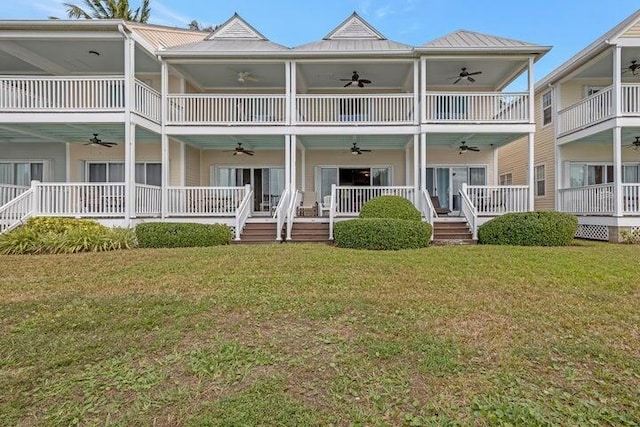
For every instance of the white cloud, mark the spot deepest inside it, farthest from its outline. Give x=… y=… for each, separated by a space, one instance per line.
x=163 y=15
x=34 y=9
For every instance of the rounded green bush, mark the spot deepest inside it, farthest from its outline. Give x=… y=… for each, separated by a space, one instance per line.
x=529 y=229
x=394 y=207
x=181 y=235
x=382 y=234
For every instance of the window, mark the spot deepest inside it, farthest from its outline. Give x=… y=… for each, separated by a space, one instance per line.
x=506 y=179
x=582 y=174
x=146 y=173
x=540 y=181
x=592 y=90
x=546 y=109
x=21 y=173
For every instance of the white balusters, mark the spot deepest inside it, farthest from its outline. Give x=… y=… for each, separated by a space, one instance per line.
x=147 y=101
x=497 y=200
x=354 y=108
x=81 y=199
x=592 y=199
x=226 y=109
x=204 y=201
x=148 y=198
x=586 y=112
x=477 y=107
x=631 y=198
x=349 y=200
x=9 y=192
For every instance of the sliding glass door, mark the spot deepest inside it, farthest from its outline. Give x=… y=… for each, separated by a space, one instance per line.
x=446 y=182
x=353 y=177
x=267 y=184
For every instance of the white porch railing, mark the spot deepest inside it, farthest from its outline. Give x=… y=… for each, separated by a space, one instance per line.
x=148 y=200
x=486 y=107
x=586 y=112
x=631 y=198
x=349 y=200
x=334 y=109
x=204 y=201
x=243 y=212
x=497 y=200
x=469 y=211
x=9 y=192
x=428 y=210
x=147 y=102
x=282 y=211
x=53 y=93
x=80 y=199
x=13 y=213
x=589 y=200
x=226 y=109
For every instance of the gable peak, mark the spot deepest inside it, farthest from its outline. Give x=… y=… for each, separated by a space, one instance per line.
x=235 y=28
x=354 y=27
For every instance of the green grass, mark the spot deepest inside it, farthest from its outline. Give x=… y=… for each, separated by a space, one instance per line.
x=313 y=335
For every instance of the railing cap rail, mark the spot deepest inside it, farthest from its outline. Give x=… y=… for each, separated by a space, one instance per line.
x=175 y=187
x=352 y=95
x=602 y=92
x=81 y=184
x=499 y=186
x=586 y=187
x=363 y=187
x=475 y=93
x=54 y=78
x=225 y=95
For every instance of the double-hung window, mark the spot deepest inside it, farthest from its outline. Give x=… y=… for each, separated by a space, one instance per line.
x=540 y=181
x=21 y=173
x=146 y=173
x=547 y=116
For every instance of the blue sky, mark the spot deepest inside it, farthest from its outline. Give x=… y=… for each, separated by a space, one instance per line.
x=567 y=25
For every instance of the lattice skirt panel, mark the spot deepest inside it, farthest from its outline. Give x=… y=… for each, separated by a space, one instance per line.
x=593 y=232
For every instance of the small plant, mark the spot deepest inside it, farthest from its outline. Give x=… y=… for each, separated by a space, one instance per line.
x=394 y=207
x=181 y=235
x=630 y=236
x=529 y=229
x=56 y=224
x=382 y=234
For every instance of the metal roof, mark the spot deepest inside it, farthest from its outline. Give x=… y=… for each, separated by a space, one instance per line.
x=471 y=40
x=162 y=37
x=588 y=52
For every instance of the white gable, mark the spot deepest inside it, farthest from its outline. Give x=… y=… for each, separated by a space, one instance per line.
x=354 y=28
x=235 y=28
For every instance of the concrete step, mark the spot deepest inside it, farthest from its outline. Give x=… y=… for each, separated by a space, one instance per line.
x=451 y=236
x=441 y=242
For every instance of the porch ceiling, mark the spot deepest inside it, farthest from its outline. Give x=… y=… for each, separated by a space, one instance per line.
x=224 y=76
x=229 y=142
x=61 y=132
x=70 y=57
x=606 y=137
x=495 y=72
x=603 y=68
x=314 y=76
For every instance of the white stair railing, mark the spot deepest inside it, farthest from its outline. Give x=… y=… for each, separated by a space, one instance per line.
x=244 y=211
x=9 y=192
x=428 y=210
x=147 y=101
x=281 y=212
x=294 y=203
x=469 y=211
x=332 y=210
x=14 y=213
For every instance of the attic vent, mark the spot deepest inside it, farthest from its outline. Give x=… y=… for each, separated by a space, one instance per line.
x=236 y=29
x=355 y=28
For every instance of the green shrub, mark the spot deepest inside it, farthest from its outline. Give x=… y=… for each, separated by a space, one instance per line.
x=382 y=234
x=529 y=229
x=29 y=240
x=181 y=235
x=394 y=207
x=56 y=224
x=630 y=236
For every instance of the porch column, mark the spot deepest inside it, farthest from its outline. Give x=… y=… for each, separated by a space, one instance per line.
x=416 y=92
x=293 y=141
x=423 y=89
x=303 y=172
x=531 y=172
x=556 y=94
x=496 y=172
x=293 y=88
x=617 y=171
x=129 y=131
x=407 y=165
x=416 y=170
x=287 y=94
x=423 y=161
x=617 y=81
x=183 y=161
x=532 y=92
x=287 y=161
x=164 y=140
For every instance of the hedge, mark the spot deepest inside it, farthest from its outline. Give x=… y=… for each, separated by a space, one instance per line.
x=181 y=235
x=381 y=234
x=394 y=207
x=529 y=229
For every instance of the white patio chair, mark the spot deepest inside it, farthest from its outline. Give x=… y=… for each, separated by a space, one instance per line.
x=325 y=205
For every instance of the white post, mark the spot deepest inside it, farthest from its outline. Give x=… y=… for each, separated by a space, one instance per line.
x=556 y=93
x=287 y=93
x=416 y=91
x=617 y=81
x=164 y=140
x=416 y=170
x=407 y=165
x=532 y=92
x=617 y=170
x=531 y=168
x=423 y=88
x=130 y=171
x=292 y=141
x=423 y=161
x=496 y=174
x=183 y=161
x=35 y=197
x=303 y=174
x=292 y=93
x=129 y=130
x=287 y=161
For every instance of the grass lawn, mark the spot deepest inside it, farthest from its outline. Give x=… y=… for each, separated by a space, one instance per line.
x=316 y=335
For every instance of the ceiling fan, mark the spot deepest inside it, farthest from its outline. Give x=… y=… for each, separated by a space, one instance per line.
x=97 y=141
x=464 y=148
x=635 y=144
x=464 y=74
x=245 y=77
x=240 y=150
x=632 y=68
x=355 y=79
x=355 y=150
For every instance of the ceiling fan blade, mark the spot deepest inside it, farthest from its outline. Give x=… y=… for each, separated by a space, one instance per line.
x=475 y=73
x=471 y=79
x=346 y=80
x=365 y=81
x=473 y=149
x=348 y=84
x=249 y=153
x=456 y=82
x=365 y=151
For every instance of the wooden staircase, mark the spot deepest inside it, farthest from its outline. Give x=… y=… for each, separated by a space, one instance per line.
x=310 y=232
x=452 y=231
x=258 y=232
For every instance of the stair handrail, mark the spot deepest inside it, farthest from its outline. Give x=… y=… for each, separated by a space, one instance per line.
x=469 y=211
x=13 y=213
x=296 y=199
x=332 y=210
x=281 y=212
x=428 y=210
x=244 y=210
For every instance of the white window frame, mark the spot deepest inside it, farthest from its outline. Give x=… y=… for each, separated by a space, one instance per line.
x=549 y=107
x=104 y=162
x=45 y=166
x=592 y=90
x=536 y=180
x=506 y=179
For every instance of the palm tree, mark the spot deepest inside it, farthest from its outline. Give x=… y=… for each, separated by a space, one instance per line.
x=109 y=9
x=196 y=26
